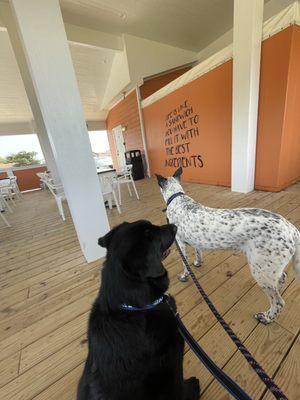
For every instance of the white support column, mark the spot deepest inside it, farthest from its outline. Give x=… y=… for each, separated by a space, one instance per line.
x=42 y=35
x=38 y=123
x=247 y=35
x=139 y=101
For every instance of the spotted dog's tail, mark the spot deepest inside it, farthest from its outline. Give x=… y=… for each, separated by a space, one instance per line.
x=297 y=258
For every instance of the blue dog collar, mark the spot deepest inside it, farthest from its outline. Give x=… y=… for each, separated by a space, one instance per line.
x=170 y=199
x=128 y=307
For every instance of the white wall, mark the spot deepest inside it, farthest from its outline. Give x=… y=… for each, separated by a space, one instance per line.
x=141 y=58
x=146 y=57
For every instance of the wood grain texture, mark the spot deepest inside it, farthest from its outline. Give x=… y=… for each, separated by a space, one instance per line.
x=46 y=291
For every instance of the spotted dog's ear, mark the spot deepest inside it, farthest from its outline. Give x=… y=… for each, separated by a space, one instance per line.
x=161 y=180
x=177 y=174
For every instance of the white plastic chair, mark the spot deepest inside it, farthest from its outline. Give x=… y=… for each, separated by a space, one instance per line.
x=107 y=181
x=6 y=190
x=125 y=176
x=13 y=182
x=3 y=200
x=56 y=191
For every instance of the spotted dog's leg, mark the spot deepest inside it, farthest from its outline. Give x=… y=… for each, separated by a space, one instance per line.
x=184 y=276
x=277 y=303
x=282 y=280
x=198 y=257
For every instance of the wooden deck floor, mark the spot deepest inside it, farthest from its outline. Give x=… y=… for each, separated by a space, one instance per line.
x=46 y=290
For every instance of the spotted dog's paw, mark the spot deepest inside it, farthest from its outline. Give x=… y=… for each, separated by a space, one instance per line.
x=263 y=318
x=183 y=277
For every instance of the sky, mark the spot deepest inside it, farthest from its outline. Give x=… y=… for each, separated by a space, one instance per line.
x=14 y=143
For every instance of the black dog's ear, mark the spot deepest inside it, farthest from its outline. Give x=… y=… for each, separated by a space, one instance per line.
x=105 y=240
x=177 y=174
x=161 y=180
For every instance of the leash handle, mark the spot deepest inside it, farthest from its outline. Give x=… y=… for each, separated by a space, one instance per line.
x=270 y=384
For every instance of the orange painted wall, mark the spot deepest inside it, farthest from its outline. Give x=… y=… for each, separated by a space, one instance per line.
x=152 y=85
x=289 y=167
x=277 y=119
x=125 y=113
x=27 y=178
x=210 y=97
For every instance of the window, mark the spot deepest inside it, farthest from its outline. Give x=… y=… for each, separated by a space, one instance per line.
x=20 y=150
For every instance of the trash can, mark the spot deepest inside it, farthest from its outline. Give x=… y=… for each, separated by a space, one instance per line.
x=134 y=157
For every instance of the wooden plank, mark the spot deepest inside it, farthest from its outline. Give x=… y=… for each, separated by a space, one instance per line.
x=268 y=344
x=288 y=376
x=47 y=306
x=38 y=378
x=9 y=369
x=44 y=326
x=47 y=295
x=213 y=338
x=65 y=388
x=51 y=343
x=290 y=317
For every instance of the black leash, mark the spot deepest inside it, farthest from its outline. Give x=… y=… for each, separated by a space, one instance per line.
x=233 y=388
x=270 y=384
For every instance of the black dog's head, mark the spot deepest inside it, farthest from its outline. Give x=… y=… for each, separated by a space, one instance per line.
x=135 y=252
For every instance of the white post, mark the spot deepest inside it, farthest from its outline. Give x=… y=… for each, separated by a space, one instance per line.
x=139 y=101
x=38 y=123
x=42 y=35
x=247 y=36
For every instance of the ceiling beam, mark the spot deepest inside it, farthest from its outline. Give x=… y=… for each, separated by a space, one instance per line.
x=16 y=128
x=93 y=38
x=88 y=37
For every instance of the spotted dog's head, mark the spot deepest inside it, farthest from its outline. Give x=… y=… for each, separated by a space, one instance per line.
x=171 y=185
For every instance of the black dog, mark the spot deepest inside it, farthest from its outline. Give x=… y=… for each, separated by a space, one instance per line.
x=135 y=349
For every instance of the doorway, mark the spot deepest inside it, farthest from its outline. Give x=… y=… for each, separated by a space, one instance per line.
x=120 y=146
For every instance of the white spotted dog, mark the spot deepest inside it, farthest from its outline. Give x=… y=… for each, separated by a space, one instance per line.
x=268 y=240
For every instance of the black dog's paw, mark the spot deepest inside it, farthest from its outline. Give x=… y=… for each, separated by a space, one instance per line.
x=192 y=389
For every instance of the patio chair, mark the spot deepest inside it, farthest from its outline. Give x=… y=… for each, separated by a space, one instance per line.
x=13 y=181
x=108 y=181
x=55 y=190
x=125 y=176
x=6 y=190
x=43 y=176
x=59 y=195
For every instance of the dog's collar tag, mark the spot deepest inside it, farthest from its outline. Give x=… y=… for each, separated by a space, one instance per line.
x=170 y=199
x=128 y=307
